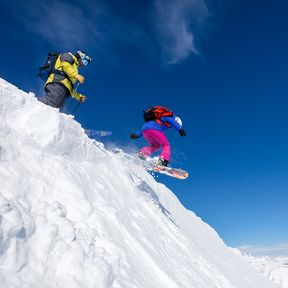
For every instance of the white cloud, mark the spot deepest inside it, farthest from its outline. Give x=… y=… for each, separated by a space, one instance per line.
x=273 y=250
x=175 y=20
x=89 y=25
x=96 y=25
x=61 y=23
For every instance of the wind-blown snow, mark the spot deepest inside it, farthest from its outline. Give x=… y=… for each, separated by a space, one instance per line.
x=73 y=214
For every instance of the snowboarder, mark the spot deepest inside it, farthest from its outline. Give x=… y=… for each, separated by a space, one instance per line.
x=158 y=120
x=60 y=83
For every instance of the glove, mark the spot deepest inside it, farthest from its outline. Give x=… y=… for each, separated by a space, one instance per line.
x=134 y=136
x=82 y=98
x=79 y=97
x=80 y=78
x=182 y=132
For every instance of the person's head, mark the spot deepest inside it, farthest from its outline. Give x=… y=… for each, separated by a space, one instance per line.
x=83 y=58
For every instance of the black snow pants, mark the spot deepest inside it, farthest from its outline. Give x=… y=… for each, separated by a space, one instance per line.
x=56 y=95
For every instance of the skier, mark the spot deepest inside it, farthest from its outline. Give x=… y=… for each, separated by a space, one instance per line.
x=158 y=120
x=60 y=83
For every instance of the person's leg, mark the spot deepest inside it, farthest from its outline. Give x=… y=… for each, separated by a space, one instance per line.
x=163 y=141
x=149 y=135
x=56 y=95
x=156 y=139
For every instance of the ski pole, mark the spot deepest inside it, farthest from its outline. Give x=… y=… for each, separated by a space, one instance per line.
x=67 y=110
x=76 y=108
x=75 y=90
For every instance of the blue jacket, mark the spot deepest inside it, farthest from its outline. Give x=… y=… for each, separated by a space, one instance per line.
x=153 y=125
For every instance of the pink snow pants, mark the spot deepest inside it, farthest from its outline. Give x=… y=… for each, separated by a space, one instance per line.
x=156 y=139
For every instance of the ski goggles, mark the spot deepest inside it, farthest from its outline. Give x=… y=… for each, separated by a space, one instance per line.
x=85 y=59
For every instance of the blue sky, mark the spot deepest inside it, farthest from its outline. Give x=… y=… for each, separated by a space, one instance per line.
x=221 y=66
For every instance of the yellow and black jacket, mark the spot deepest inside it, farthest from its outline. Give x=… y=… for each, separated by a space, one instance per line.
x=68 y=64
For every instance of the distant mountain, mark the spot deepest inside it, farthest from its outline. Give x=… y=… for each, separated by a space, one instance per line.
x=273 y=268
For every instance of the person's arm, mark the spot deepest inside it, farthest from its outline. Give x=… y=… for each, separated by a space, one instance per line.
x=171 y=121
x=69 y=69
x=174 y=124
x=72 y=72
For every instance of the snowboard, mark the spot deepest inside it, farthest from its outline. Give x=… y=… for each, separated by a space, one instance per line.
x=97 y=133
x=150 y=164
x=170 y=171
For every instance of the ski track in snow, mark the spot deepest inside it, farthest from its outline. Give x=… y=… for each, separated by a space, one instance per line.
x=73 y=214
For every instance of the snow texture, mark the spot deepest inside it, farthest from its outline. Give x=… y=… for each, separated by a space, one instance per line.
x=73 y=214
x=273 y=268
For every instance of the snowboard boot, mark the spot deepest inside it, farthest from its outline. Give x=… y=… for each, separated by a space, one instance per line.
x=162 y=162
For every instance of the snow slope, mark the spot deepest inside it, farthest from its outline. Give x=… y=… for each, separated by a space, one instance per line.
x=273 y=268
x=73 y=214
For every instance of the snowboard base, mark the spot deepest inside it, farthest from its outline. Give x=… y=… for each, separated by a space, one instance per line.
x=170 y=171
x=150 y=164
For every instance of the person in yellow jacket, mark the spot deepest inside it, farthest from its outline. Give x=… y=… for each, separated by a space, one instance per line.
x=60 y=83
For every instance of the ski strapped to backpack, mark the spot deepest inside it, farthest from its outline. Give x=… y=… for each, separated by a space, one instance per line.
x=49 y=67
x=157 y=112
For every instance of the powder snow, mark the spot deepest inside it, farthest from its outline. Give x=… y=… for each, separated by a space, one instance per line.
x=73 y=214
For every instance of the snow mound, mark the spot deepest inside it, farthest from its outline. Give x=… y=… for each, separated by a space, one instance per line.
x=73 y=214
x=273 y=268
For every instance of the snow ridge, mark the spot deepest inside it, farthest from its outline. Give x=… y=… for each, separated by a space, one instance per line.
x=73 y=214
x=273 y=268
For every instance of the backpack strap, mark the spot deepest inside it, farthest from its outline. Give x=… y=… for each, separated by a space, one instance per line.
x=160 y=122
x=63 y=57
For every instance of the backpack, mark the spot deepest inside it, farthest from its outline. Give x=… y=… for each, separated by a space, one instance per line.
x=49 y=66
x=155 y=113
